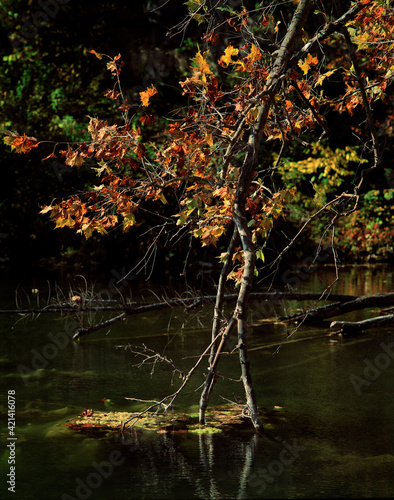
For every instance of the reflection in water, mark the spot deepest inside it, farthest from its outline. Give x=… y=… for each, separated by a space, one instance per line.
x=250 y=453
x=204 y=466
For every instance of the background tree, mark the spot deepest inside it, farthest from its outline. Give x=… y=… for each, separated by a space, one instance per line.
x=220 y=174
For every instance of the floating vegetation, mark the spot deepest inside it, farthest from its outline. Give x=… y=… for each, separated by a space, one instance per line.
x=220 y=419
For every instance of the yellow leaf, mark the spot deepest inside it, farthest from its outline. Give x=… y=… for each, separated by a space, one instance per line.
x=147 y=94
x=304 y=66
x=128 y=221
x=322 y=77
x=307 y=63
x=87 y=230
x=201 y=61
x=225 y=60
x=162 y=198
x=209 y=139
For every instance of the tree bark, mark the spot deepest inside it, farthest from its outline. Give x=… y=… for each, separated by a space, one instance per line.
x=217 y=348
x=239 y=213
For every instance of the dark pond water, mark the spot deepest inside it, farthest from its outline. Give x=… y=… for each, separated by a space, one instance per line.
x=327 y=405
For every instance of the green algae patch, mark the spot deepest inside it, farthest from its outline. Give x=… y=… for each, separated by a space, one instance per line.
x=205 y=429
x=218 y=419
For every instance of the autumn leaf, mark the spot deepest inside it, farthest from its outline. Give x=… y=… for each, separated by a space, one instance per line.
x=147 y=94
x=48 y=208
x=322 y=77
x=201 y=66
x=210 y=235
x=147 y=119
x=9 y=137
x=115 y=67
x=99 y=56
x=125 y=106
x=209 y=140
x=128 y=221
x=289 y=105
x=225 y=60
x=307 y=63
x=73 y=158
x=211 y=37
x=52 y=155
x=20 y=144
x=264 y=20
x=112 y=94
x=255 y=54
x=188 y=87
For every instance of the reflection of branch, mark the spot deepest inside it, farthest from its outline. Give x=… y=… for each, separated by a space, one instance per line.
x=249 y=460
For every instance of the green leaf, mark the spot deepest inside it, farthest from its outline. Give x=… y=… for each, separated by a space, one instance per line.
x=260 y=255
x=193 y=5
x=199 y=18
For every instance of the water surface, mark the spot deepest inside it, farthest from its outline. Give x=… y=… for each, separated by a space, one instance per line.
x=326 y=402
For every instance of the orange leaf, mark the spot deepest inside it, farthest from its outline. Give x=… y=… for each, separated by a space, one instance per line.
x=147 y=94
x=211 y=37
x=112 y=94
x=99 y=56
x=147 y=119
x=52 y=155
x=289 y=105
x=255 y=54
x=22 y=144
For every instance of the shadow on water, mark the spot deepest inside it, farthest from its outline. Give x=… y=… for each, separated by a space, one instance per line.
x=326 y=403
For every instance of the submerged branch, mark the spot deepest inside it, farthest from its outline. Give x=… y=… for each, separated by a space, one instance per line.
x=328 y=311
x=349 y=327
x=189 y=302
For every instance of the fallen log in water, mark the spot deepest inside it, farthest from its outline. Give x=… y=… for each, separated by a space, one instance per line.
x=351 y=327
x=338 y=308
